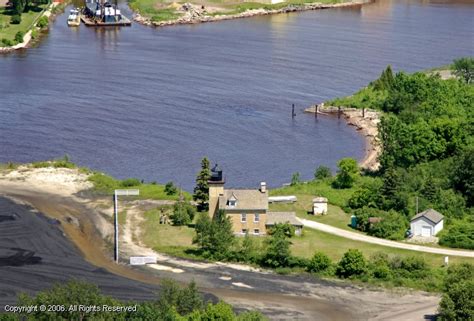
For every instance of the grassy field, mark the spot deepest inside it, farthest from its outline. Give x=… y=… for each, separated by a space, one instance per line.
x=106 y=184
x=8 y=31
x=177 y=240
x=173 y=240
x=335 y=246
x=162 y=10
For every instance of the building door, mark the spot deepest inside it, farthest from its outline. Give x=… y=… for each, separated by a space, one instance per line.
x=426 y=231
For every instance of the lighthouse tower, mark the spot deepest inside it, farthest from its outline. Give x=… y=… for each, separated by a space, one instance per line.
x=216 y=189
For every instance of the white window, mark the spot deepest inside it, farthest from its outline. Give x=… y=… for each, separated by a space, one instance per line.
x=232 y=203
x=256 y=231
x=243 y=217
x=244 y=231
x=256 y=218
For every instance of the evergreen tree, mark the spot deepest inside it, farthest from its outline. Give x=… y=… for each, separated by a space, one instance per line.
x=347 y=173
x=201 y=191
x=214 y=237
x=278 y=249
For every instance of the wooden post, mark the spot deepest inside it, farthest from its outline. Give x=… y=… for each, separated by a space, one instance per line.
x=363 y=112
x=339 y=112
x=293 y=111
x=316 y=111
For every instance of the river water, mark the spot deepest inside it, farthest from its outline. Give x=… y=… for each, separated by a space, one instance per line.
x=150 y=103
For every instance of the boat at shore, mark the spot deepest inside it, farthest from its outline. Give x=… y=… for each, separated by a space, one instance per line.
x=74 y=18
x=103 y=13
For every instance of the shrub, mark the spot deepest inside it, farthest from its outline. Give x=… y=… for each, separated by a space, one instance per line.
x=320 y=262
x=458 y=299
x=295 y=179
x=459 y=235
x=278 y=250
x=322 y=172
x=347 y=173
x=8 y=42
x=15 y=19
x=352 y=264
x=19 y=36
x=42 y=22
x=379 y=266
x=183 y=213
x=129 y=182
x=170 y=189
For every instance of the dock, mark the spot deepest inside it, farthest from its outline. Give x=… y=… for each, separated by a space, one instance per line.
x=124 y=21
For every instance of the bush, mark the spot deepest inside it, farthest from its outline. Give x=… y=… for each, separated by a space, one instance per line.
x=42 y=22
x=183 y=213
x=295 y=179
x=15 y=19
x=19 y=36
x=170 y=189
x=459 y=235
x=8 y=42
x=352 y=264
x=380 y=266
x=347 y=173
x=129 y=182
x=278 y=250
x=322 y=172
x=458 y=299
x=319 y=263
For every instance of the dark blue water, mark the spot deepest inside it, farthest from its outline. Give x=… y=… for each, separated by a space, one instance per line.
x=150 y=103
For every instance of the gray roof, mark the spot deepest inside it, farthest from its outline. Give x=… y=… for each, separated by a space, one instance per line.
x=246 y=199
x=320 y=199
x=431 y=215
x=283 y=217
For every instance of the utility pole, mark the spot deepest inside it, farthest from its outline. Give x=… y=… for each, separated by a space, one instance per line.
x=416 y=205
x=117 y=192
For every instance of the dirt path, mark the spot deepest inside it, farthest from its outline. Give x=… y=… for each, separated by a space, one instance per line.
x=375 y=240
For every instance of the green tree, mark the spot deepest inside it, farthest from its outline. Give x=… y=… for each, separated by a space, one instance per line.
x=458 y=300
x=170 y=189
x=320 y=262
x=201 y=191
x=71 y=293
x=287 y=229
x=278 y=252
x=295 y=179
x=214 y=237
x=463 y=175
x=347 y=173
x=322 y=172
x=183 y=213
x=385 y=81
x=352 y=264
x=464 y=69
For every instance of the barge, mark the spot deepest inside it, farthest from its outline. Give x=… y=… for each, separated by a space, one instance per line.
x=103 y=13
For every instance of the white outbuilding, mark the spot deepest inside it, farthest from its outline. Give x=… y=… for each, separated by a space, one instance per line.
x=427 y=223
x=320 y=206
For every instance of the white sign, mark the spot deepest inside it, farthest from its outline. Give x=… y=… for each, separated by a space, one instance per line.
x=127 y=192
x=142 y=260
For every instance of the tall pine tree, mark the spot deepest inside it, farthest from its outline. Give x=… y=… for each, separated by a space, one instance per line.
x=201 y=191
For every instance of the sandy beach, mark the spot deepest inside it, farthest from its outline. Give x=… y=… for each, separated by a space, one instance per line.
x=365 y=122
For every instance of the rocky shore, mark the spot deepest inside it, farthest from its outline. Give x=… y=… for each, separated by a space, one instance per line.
x=365 y=121
x=192 y=14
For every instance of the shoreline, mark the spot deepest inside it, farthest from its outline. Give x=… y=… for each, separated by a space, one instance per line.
x=196 y=15
x=27 y=38
x=365 y=122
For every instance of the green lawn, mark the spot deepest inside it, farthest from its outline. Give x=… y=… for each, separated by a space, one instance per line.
x=335 y=246
x=8 y=31
x=106 y=184
x=164 y=238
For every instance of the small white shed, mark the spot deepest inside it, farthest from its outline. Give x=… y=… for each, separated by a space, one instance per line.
x=320 y=205
x=427 y=223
